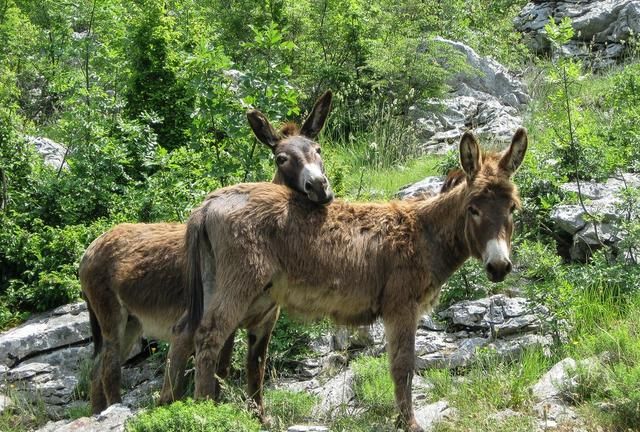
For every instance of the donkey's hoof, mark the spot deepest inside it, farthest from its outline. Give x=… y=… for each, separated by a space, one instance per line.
x=408 y=426
x=265 y=420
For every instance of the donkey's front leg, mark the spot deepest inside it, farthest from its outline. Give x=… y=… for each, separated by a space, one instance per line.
x=259 y=337
x=400 y=328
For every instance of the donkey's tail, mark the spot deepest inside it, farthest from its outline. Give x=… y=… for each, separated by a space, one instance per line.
x=96 y=331
x=195 y=236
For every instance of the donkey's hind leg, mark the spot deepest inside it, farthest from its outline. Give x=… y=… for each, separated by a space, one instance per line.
x=105 y=383
x=111 y=355
x=259 y=337
x=97 y=396
x=224 y=364
x=223 y=313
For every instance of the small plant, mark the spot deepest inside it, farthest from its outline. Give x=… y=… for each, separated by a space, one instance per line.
x=192 y=416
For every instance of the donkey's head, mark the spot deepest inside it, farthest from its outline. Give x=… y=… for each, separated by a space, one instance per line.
x=491 y=200
x=297 y=153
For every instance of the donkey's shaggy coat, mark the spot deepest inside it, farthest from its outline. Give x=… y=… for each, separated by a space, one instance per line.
x=134 y=281
x=252 y=244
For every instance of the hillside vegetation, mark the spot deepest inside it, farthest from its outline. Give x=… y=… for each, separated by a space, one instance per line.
x=148 y=99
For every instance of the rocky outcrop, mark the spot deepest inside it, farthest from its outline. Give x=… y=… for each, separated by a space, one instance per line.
x=505 y=325
x=113 y=419
x=552 y=405
x=485 y=97
x=603 y=202
x=52 y=152
x=46 y=359
x=430 y=186
x=602 y=28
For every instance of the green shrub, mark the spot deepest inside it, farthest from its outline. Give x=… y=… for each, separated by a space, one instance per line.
x=192 y=416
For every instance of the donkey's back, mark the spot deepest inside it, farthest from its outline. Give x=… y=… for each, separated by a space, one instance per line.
x=137 y=269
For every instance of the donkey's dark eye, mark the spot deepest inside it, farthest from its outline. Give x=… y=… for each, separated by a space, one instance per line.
x=512 y=208
x=319 y=150
x=280 y=159
x=473 y=211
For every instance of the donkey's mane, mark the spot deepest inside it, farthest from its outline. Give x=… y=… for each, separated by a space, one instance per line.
x=289 y=129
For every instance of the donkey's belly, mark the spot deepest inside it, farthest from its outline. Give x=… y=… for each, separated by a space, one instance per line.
x=157 y=325
x=343 y=305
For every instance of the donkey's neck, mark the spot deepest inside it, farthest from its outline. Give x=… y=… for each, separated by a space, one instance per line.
x=443 y=225
x=278 y=178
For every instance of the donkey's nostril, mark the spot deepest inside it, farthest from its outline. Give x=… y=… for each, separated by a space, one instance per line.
x=491 y=269
x=307 y=186
x=507 y=268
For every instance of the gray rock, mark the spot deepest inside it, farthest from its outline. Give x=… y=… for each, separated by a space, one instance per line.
x=52 y=152
x=427 y=187
x=568 y=218
x=336 y=393
x=348 y=338
x=486 y=98
x=601 y=201
x=112 y=419
x=427 y=322
x=487 y=75
x=63 y=326
x=5 y=403
x=505 y=414
x=430 y=415
x=308 y=428
x=601 y=27
x=551 y=385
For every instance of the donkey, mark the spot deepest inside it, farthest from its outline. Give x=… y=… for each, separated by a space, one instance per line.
x=133 y=276
x=251 y=245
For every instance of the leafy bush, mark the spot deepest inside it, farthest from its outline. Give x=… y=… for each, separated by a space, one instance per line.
x=192 y=416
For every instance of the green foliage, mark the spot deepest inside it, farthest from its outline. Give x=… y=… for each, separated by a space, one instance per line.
x=373 y=386
x=154 y=86
x=192 y=416
x=286 y=408
x=290 y=340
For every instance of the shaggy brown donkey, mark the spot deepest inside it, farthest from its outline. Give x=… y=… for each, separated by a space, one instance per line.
x=253 y=244
x=133 y=276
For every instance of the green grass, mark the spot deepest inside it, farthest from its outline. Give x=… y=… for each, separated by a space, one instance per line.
x=489 y=384
x=192 y=416
x=373 y=384
x=24 y=415
x=361 y=181
x=609 y=392
x=286 y=408
x=79 y=411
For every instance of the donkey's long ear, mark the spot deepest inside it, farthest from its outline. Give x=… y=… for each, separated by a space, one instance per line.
x=513 y=157
x=262 y=128
x=314 y=123
x=470 y=154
